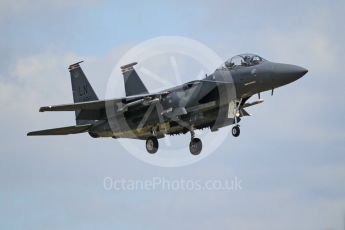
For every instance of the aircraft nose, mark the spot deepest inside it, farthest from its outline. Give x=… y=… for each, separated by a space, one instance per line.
x=298 y=71
x=285 y=74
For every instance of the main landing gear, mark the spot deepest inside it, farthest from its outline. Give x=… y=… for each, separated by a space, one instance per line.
x=152 y=144
x=195 y=145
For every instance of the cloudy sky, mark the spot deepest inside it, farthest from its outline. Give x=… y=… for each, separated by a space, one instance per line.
x=289 y=157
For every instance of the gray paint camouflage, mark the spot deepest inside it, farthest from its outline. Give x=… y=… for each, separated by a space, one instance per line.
x=216 y=101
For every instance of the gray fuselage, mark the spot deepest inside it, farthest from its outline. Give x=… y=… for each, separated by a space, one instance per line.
x=207 y=103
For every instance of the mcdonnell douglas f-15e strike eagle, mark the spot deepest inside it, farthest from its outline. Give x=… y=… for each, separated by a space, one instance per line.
x=214 y=102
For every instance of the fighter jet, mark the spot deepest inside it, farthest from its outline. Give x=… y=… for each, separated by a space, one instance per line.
x=216 y=101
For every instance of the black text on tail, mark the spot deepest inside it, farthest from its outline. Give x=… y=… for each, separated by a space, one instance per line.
x=82 y=90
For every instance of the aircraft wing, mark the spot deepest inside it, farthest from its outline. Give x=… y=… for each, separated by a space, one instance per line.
x=90 y=105
x=61 y=131
x=97 y=105
x=125 y=102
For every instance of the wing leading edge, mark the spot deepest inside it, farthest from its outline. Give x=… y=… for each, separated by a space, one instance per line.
x=101 y=104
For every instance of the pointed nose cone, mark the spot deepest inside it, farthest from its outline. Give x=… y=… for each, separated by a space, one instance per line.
x=285 y=74
x=298 y=71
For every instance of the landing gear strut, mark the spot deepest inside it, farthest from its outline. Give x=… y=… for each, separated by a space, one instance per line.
x=195 y=145
x=152 y=144
x=236 y=129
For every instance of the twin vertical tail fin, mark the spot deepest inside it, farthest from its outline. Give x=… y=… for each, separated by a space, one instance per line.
x=82 y=90
x=133 y=84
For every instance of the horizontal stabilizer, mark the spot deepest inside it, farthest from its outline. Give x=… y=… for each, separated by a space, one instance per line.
x=61 y=131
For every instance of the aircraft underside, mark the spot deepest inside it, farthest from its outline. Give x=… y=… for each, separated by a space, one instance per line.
x=158 y=127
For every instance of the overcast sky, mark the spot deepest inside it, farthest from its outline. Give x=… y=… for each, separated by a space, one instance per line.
x=290 y=155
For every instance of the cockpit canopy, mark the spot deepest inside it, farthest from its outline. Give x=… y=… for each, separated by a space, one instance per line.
x=242 y=60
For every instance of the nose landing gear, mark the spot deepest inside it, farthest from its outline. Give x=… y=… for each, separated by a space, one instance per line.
x=235 y=131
